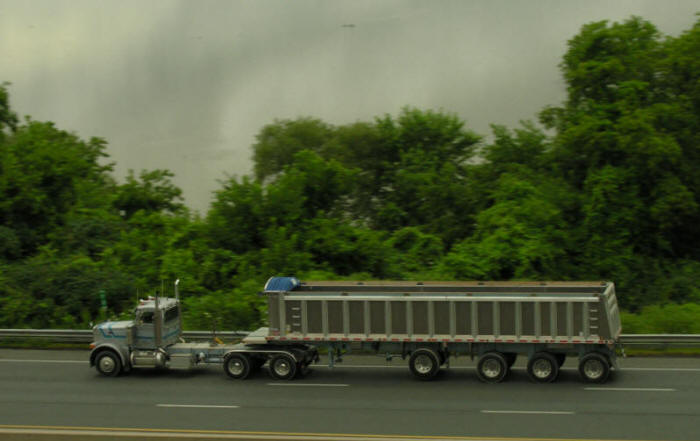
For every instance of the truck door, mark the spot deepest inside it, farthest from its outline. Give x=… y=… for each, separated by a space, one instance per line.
x=145 y=333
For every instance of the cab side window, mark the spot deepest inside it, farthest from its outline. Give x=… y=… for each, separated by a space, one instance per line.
x=171 y=314
x=147 y=317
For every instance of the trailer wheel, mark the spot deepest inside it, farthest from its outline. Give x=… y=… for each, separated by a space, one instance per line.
x=491 y=367
x=237 y=366
x=282 y=367
x=594 y=368
x=543 y=367
x=424 y=363
x=108 y=363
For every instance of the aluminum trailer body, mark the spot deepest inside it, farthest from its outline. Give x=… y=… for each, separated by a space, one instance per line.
x=429 y=322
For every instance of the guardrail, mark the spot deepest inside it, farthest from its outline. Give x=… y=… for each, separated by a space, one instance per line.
x=85 y=336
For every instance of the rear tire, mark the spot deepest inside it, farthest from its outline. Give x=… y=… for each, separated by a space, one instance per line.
x=491 y=367
x=108 y=364
x=543 y=367
x=424 y=364
x=594 y=368
x=237 y=366
x=282 y=367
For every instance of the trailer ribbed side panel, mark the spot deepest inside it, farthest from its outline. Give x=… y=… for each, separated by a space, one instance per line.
x=560 y=312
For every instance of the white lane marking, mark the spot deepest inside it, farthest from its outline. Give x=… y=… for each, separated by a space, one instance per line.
x=661 y=369
x=208 y=406
x=310 y=384
x=531 y=412
x=15 y=360
x=632 y=389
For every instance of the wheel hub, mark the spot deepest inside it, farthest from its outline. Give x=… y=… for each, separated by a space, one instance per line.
x=282 y=368
x=542 y=368
x=236 y=367
x=593 y=369
x=491 y=368
x=423 y=364
x=107 y=364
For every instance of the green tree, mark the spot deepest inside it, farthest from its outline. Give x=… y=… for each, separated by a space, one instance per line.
x=522 y=236
x=152 y=191
x=45 y=173
x=277 y=143
x=8 y=118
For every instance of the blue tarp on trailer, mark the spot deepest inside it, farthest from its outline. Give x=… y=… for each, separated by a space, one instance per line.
x=277 y=284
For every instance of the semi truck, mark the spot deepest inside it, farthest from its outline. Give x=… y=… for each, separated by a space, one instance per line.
x=425 y=323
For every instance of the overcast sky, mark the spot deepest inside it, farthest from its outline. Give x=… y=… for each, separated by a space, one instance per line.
x=186 y=85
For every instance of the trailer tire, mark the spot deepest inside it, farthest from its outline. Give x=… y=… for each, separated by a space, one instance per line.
x=491 y=367
x=424 y=363
x=282 y=367
x=108 y=363
x=543 y=367
x=237 y=366
x=594 y=368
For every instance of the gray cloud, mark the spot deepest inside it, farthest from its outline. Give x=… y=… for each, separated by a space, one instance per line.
x=186 y=85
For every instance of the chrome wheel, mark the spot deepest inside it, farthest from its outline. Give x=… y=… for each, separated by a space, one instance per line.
x=423 y=364
x=236 y=367
x=491 y=368
x=593 y=369
x=282 y=367
x=542 y=368
x=107 y=365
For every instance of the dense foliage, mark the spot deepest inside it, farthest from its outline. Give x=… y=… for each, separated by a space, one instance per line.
x=606 y=188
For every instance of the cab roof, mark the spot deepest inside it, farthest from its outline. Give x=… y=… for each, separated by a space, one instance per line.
x=150 y=303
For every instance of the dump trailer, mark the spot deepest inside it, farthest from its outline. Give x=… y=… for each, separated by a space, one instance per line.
x=426 y=323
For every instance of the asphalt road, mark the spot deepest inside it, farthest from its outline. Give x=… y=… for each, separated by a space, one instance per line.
x=649 y=399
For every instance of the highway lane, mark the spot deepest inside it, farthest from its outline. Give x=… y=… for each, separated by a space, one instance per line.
x=650 y=399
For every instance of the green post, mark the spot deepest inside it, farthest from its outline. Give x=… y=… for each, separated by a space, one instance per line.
x=103 y=304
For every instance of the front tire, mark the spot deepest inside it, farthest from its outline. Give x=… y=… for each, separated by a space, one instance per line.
x=424 y=364
x=491 y=367
x=282 y=367
x=237 y=366
x=594 y=368
x=543 y=367
x=108 y=364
